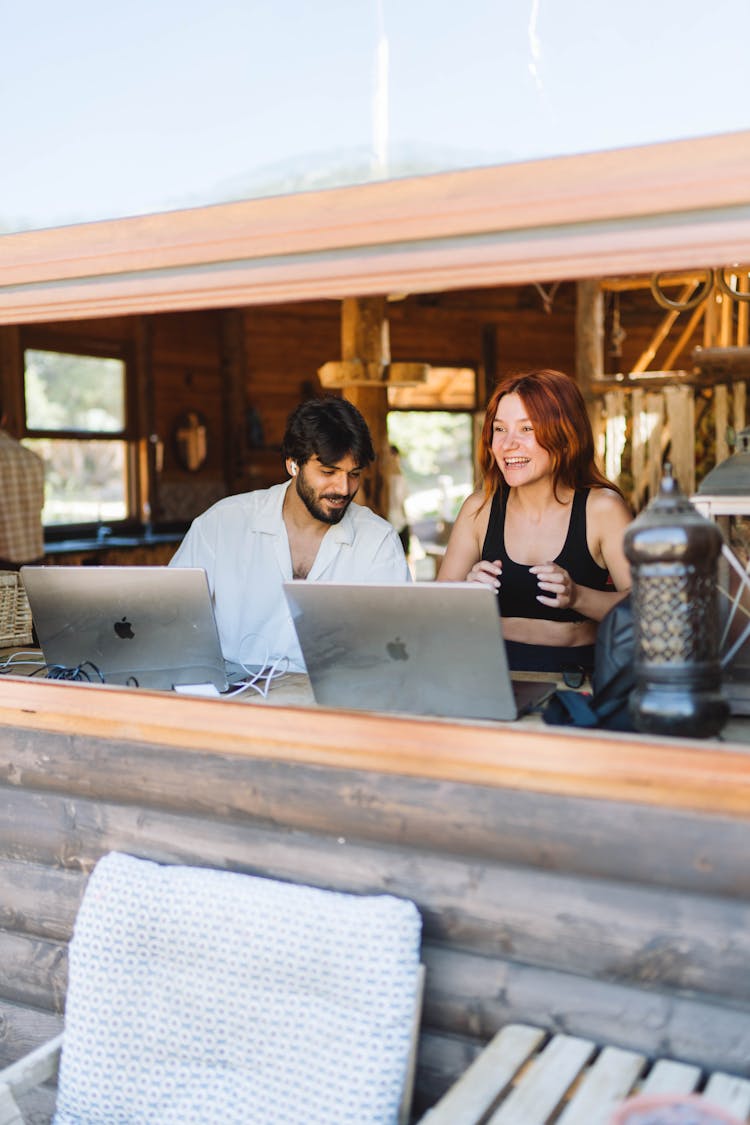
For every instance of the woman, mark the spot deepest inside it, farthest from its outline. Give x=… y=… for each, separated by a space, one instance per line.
x=546 y=531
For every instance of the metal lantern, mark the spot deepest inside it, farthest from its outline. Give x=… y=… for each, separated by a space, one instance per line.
x=724 y=496
x=673 y=553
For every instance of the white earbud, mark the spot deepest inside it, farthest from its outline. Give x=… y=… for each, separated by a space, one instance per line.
x=294 y=468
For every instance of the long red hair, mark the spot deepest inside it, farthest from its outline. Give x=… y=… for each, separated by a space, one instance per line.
x=561 y=423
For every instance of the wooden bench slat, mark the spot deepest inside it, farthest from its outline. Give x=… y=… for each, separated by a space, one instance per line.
x=729 y=1093
x=669 y=1077
x=481 y=1085
x=606 y=1083
x=528 y=1088
x=542 y=1088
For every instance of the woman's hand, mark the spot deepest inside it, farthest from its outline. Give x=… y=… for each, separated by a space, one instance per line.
x=562 y=589
x=486 y=572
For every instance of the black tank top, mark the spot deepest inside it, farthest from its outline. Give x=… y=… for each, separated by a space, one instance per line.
x=518 y=588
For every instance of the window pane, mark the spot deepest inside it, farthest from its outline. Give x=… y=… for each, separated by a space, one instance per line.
x=235 y=100
x=74 y=392
x=85 y=481
x=437 y=461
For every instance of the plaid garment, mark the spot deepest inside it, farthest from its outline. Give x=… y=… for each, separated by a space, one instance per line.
x=21 y=502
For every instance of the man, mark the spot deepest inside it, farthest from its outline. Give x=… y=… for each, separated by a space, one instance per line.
x=21 y=503
x=307 y=527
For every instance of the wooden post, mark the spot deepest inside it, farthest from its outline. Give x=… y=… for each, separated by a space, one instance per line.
x=11 y=379
x=590 y=354
x=234 y=384
x=739 y=391
x=714 y=335
x=149 y=508
x=364 y=337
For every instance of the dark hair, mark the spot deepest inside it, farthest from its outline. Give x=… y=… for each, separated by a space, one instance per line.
x=561 y=423
x=328 y=428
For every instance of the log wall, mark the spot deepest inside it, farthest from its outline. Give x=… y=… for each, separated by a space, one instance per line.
x=626 y=918
x=265 y=359
x=183 y=361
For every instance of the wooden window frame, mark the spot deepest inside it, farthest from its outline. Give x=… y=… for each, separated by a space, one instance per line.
x=71 y=344
x=672 y=206
x=656 y=207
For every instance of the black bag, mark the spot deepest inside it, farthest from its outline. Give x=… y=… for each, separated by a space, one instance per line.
x=612 y=681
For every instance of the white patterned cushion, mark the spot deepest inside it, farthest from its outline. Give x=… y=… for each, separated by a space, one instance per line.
x=203 y=997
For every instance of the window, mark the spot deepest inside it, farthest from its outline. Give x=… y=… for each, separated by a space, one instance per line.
x=432 y=425
x=437 y=460
x=75 y=417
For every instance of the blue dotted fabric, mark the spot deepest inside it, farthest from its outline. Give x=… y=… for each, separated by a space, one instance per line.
x=203 y=997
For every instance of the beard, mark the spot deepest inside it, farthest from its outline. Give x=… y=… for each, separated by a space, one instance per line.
x=312 y=502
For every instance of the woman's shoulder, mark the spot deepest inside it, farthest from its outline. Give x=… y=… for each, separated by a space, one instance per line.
x=473 y=504
x=608 y=504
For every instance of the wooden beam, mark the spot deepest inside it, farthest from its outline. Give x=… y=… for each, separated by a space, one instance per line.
x=643 y=281
x=365 y=339
x=652 y=379
x=656 y=207
x=234 y=391
x=589 y=330
x=11 y=379
x=147 y=500
x=684 y=337
x=337 y=374
x=661 y=333
x=711 y=375
x=722 y=364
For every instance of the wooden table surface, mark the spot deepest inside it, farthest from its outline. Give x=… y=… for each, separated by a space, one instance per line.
x=293 y=689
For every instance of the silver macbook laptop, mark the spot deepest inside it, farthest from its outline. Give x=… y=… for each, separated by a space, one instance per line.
x=145 y=626
x=432 y=648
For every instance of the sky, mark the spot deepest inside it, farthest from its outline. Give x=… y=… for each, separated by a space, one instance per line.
x=112 y=110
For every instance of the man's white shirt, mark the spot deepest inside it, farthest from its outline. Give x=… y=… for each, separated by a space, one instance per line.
x=242 y=544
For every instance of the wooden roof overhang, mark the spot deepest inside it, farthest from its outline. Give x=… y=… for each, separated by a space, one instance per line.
x=667 y=206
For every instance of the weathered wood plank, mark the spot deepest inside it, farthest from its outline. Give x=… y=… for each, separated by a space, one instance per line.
x=474 y=995
x=38 y=1106
x=611 y=839
x=607 y=1082
x=443 y=1058
x=39 y=900
x=592 y=926
x=40 y=1065
x=478 y=1089
x=669 y=1077
x=729 y=1092
x=582 y=763
x=33 y=972
x=546 y=1082
x=23 y=1029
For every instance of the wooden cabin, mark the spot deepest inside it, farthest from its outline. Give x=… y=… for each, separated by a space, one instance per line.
x=583 y=881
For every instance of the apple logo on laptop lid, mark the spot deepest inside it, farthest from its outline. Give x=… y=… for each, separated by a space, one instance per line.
x=396 y=649
x=124 y=629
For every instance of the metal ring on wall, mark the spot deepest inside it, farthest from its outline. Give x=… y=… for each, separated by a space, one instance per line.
x=681 y=306
x=727 y=288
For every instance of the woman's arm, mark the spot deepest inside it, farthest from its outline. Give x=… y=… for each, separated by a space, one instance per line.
x=462 y=561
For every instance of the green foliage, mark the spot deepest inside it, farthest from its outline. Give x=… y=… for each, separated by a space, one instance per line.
x=436 y=458
x=74 y=392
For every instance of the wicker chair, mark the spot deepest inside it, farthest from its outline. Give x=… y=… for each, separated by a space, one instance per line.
x=15 y=614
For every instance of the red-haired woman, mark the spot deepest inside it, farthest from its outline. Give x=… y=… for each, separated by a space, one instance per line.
x=546 y=530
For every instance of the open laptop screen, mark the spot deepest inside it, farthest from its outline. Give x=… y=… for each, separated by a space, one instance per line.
x=432 y=648
x=145 y=626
